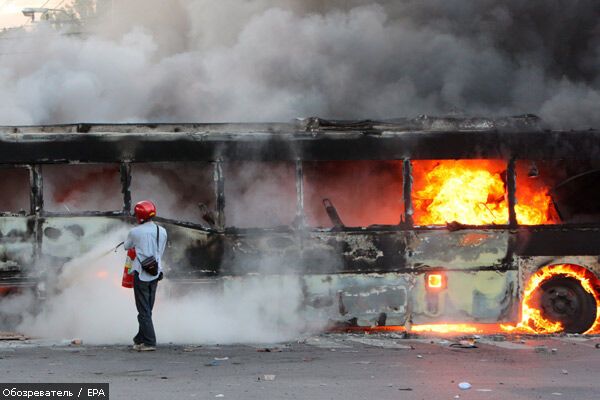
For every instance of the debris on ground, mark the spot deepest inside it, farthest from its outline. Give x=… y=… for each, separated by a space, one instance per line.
x=221 y=358
x=464 y=386
x=406 y=389
x=465 y=344
x=540 y=349
x=564 y=372
x=213 y=363
x=419 y=356
x=220 y=395
x=12 y=336
x=76 y=342
x=269 y=350
x=267 y=378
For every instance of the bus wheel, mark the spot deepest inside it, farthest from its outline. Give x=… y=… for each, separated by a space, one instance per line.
x=564 y=300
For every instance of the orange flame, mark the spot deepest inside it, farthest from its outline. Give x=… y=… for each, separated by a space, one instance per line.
x=447 y=328
x=532 y=320
x=471 y=192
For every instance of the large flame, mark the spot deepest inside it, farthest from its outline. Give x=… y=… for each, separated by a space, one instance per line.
x=472 y=192
x=532 y=320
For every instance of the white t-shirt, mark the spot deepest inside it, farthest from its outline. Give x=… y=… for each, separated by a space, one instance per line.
x=143 y=239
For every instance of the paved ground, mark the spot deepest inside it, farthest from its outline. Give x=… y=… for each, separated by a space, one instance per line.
x=335 y=366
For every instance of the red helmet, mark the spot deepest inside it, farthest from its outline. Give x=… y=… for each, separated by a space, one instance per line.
x=144 y=210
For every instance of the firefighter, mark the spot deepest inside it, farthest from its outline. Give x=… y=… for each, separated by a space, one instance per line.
x=149 y=241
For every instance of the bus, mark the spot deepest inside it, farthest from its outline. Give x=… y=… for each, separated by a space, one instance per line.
x=407 y=222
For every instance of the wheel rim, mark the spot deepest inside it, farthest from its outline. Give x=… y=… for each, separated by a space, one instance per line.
x=563 y=299
x=560 y=303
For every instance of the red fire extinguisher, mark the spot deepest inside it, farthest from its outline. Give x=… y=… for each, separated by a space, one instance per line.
x=127 y=281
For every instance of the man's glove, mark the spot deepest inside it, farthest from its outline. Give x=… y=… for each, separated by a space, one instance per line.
x=160 y=276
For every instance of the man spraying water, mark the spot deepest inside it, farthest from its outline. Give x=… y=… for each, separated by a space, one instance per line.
x=149 y=241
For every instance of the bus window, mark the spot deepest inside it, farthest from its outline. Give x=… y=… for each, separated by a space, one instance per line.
x=15 y=187
x=181 y=191
x=363 y=192
x=71 y=188
x=259 y=194
x=471 y=192
x=550 y=192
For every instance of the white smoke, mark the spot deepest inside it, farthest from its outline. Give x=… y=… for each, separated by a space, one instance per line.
x=87 y=301
x=261 y=60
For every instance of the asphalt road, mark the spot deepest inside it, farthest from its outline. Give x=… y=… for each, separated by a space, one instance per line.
x=335 y=366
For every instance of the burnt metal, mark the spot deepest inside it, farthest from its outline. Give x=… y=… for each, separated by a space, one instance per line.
x=333 y=214
x=415 y=139
x=220 y=194
x=36 y=195
x=407 y=193
x=557 y=241
x=578 y=198
x=300 y=218
x=125 y=170
x=511 y=184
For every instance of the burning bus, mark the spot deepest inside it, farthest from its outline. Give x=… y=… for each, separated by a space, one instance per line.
x=422 y=223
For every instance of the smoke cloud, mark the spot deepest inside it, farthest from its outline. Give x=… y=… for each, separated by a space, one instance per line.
x=261 y=60
x=86 y=301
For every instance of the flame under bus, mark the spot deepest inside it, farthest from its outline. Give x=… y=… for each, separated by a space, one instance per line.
x=405 y=222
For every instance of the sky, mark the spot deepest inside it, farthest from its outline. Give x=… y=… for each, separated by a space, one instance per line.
x=10 y=11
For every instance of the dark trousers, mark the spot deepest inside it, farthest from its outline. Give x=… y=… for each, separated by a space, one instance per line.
x=144 y=292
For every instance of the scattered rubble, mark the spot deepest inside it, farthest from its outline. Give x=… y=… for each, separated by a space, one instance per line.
x=465 y=344
x=12 y=336
x=541 y=349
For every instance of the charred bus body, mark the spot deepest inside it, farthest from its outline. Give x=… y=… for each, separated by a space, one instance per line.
x=363 y=212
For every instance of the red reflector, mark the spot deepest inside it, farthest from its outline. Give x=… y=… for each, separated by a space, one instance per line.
x=435 y=281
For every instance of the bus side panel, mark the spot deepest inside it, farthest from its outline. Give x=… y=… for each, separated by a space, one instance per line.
x=354 y=252
x=262 y=252
x=482 y=286
x=314 y=252
x=361 y=296
x=470 y=296
x=466 y=249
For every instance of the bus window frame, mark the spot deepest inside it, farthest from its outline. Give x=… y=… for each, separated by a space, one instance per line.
x=510 y=197
x=218 y=191
x=29 y=211
x=301 y=221
x=37 y=192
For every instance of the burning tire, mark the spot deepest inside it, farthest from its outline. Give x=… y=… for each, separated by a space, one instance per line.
x=563 y=299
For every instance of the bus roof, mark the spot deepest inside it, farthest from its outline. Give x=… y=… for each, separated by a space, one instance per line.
x=521 y=137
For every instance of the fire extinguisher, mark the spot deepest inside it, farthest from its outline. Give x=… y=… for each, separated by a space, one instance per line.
x=127 y=281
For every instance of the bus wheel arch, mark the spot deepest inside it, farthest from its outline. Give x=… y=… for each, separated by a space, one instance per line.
x=568 y=294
